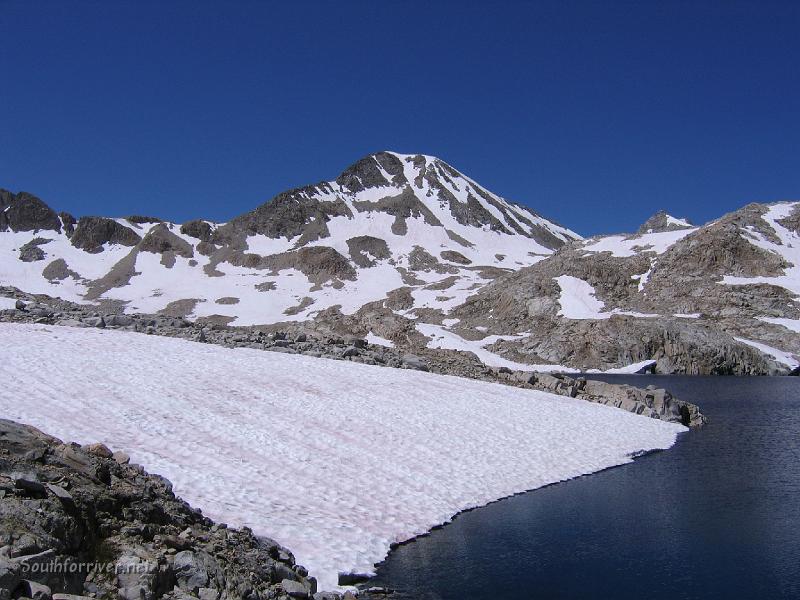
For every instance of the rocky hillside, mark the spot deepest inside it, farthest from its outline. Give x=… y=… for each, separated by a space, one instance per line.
x=80 y=521
x=411 y=228
x=408 y=249
x=719 y=299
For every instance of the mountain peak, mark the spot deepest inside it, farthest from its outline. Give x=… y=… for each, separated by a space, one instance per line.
x=375 y=170
x=388 y=222
x=663 y=221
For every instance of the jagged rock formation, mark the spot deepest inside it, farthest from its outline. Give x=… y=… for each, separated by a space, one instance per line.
x=78 y=520
x=25 y=212
x=92 y=233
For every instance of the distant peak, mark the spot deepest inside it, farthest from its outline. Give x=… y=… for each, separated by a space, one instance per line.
x=390 y=168
x=663 y=221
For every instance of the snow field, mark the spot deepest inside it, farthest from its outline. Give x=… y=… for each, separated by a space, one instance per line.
x=335 y=460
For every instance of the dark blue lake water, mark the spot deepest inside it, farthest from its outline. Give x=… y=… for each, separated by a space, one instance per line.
x=716 y=516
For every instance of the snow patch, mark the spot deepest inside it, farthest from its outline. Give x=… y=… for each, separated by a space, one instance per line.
x=779 y=355
x=628 y=369
x=448 y=340
x=679 y=222
x=7 y=303
x=791 y=324
x=623 y=246
x=335 y=460
x=377 y=340
x=578 y=301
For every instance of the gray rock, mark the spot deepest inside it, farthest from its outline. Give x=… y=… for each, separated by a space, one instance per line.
x=9 y=574
x=160 y=240
x=661 y=222
x=198 y=229
x=118 y=320
x=33 y=590
x=294 y=589
x=190 y=571
x=60 y=493
x=31 y=253
x=69 y=222
x=92 y=232
x=135 y=577
x=26 y=212
x=70 y=323
x=357 y=342
x=208 y=594
x=98 y=322
x=100 y=450
x=281 y=349
x=121 y=458
x=28 y=483
x=353 y=578
x=412 y=361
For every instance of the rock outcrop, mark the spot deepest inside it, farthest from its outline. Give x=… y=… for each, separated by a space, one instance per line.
x=26 y=212
x=81 y=521
x=92 y=233
x=651 y=402
x=661 y=221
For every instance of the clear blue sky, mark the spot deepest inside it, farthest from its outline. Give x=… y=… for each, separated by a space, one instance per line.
x=594 y=113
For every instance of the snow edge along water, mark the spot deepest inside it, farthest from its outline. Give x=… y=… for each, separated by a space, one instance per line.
x=336 y=484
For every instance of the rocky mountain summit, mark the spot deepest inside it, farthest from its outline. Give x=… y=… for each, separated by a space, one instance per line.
x=406 y=248
x=80 y=522
x=663 y=221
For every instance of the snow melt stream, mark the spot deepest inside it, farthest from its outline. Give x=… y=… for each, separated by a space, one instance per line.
x=335 y=460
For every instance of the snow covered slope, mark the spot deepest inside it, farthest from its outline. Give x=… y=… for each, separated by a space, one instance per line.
x=335 y=460
x=388 y=222
x=406 y=248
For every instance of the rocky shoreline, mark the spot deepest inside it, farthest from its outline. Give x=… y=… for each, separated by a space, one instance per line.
x=305 y=339
x=81 y=522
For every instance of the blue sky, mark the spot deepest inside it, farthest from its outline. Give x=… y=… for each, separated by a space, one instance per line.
x=595 y=114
